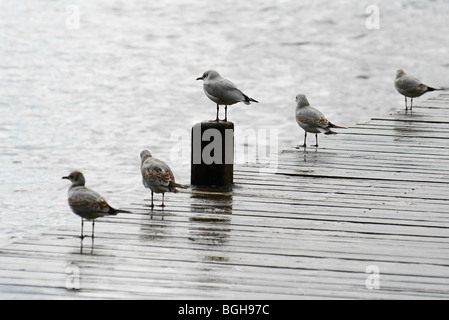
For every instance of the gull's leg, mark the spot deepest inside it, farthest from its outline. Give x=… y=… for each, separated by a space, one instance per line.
x=218 y=109
x=82 y=227
x=405 y=103
x=305 y=138
x=411 y=104
x=163 y=194
x=93 y=236
x=316 y=140
x=152 y=204
x=226 y=113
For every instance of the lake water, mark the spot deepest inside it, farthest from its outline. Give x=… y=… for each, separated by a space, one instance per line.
x=88 y=84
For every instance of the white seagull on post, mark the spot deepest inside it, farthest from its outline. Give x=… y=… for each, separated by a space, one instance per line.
x=222 y=91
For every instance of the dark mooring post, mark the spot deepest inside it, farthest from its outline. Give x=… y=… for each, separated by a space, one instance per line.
x=212 y=158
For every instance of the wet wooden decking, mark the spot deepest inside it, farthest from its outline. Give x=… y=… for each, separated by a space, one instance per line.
x=375 y=196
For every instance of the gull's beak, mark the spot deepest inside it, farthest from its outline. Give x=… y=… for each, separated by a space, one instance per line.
x=200 y=78
x=65 y=178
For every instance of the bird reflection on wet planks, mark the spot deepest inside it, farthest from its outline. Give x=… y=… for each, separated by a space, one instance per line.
x=374 y=197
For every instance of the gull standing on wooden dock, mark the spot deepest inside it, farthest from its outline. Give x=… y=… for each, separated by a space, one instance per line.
x=87 y=203
x=222 y=91
x=157 y=176
x=312 y=120
x=410 y=87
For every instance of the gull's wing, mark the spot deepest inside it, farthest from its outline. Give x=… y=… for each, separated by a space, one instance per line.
x=312 y=117
x=156 y=172
x=224 y=91
x=410 y=85
x=85 y=200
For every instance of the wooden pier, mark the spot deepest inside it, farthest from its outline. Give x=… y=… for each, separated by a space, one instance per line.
x=364 y=216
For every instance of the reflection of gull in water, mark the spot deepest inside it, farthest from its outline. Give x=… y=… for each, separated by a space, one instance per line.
x=222 y=91
x=410 y=87
x=157 y=176
x=87 y=203
x=312 y=120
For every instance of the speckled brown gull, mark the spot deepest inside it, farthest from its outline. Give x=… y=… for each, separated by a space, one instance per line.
x=157 y=176
x=312 y=120
x=222 y=91
x=87 y=203
x=410 y=87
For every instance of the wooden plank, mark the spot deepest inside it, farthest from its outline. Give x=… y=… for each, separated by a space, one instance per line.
x=145 y=261
x=134 y=263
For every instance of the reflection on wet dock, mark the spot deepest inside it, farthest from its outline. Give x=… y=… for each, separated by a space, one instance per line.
x=366 y=215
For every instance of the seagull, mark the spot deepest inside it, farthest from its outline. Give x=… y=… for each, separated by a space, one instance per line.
x=312 y=120
x=222 y=91
x=410 y=87
x=157 y=176
x=87 y=203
